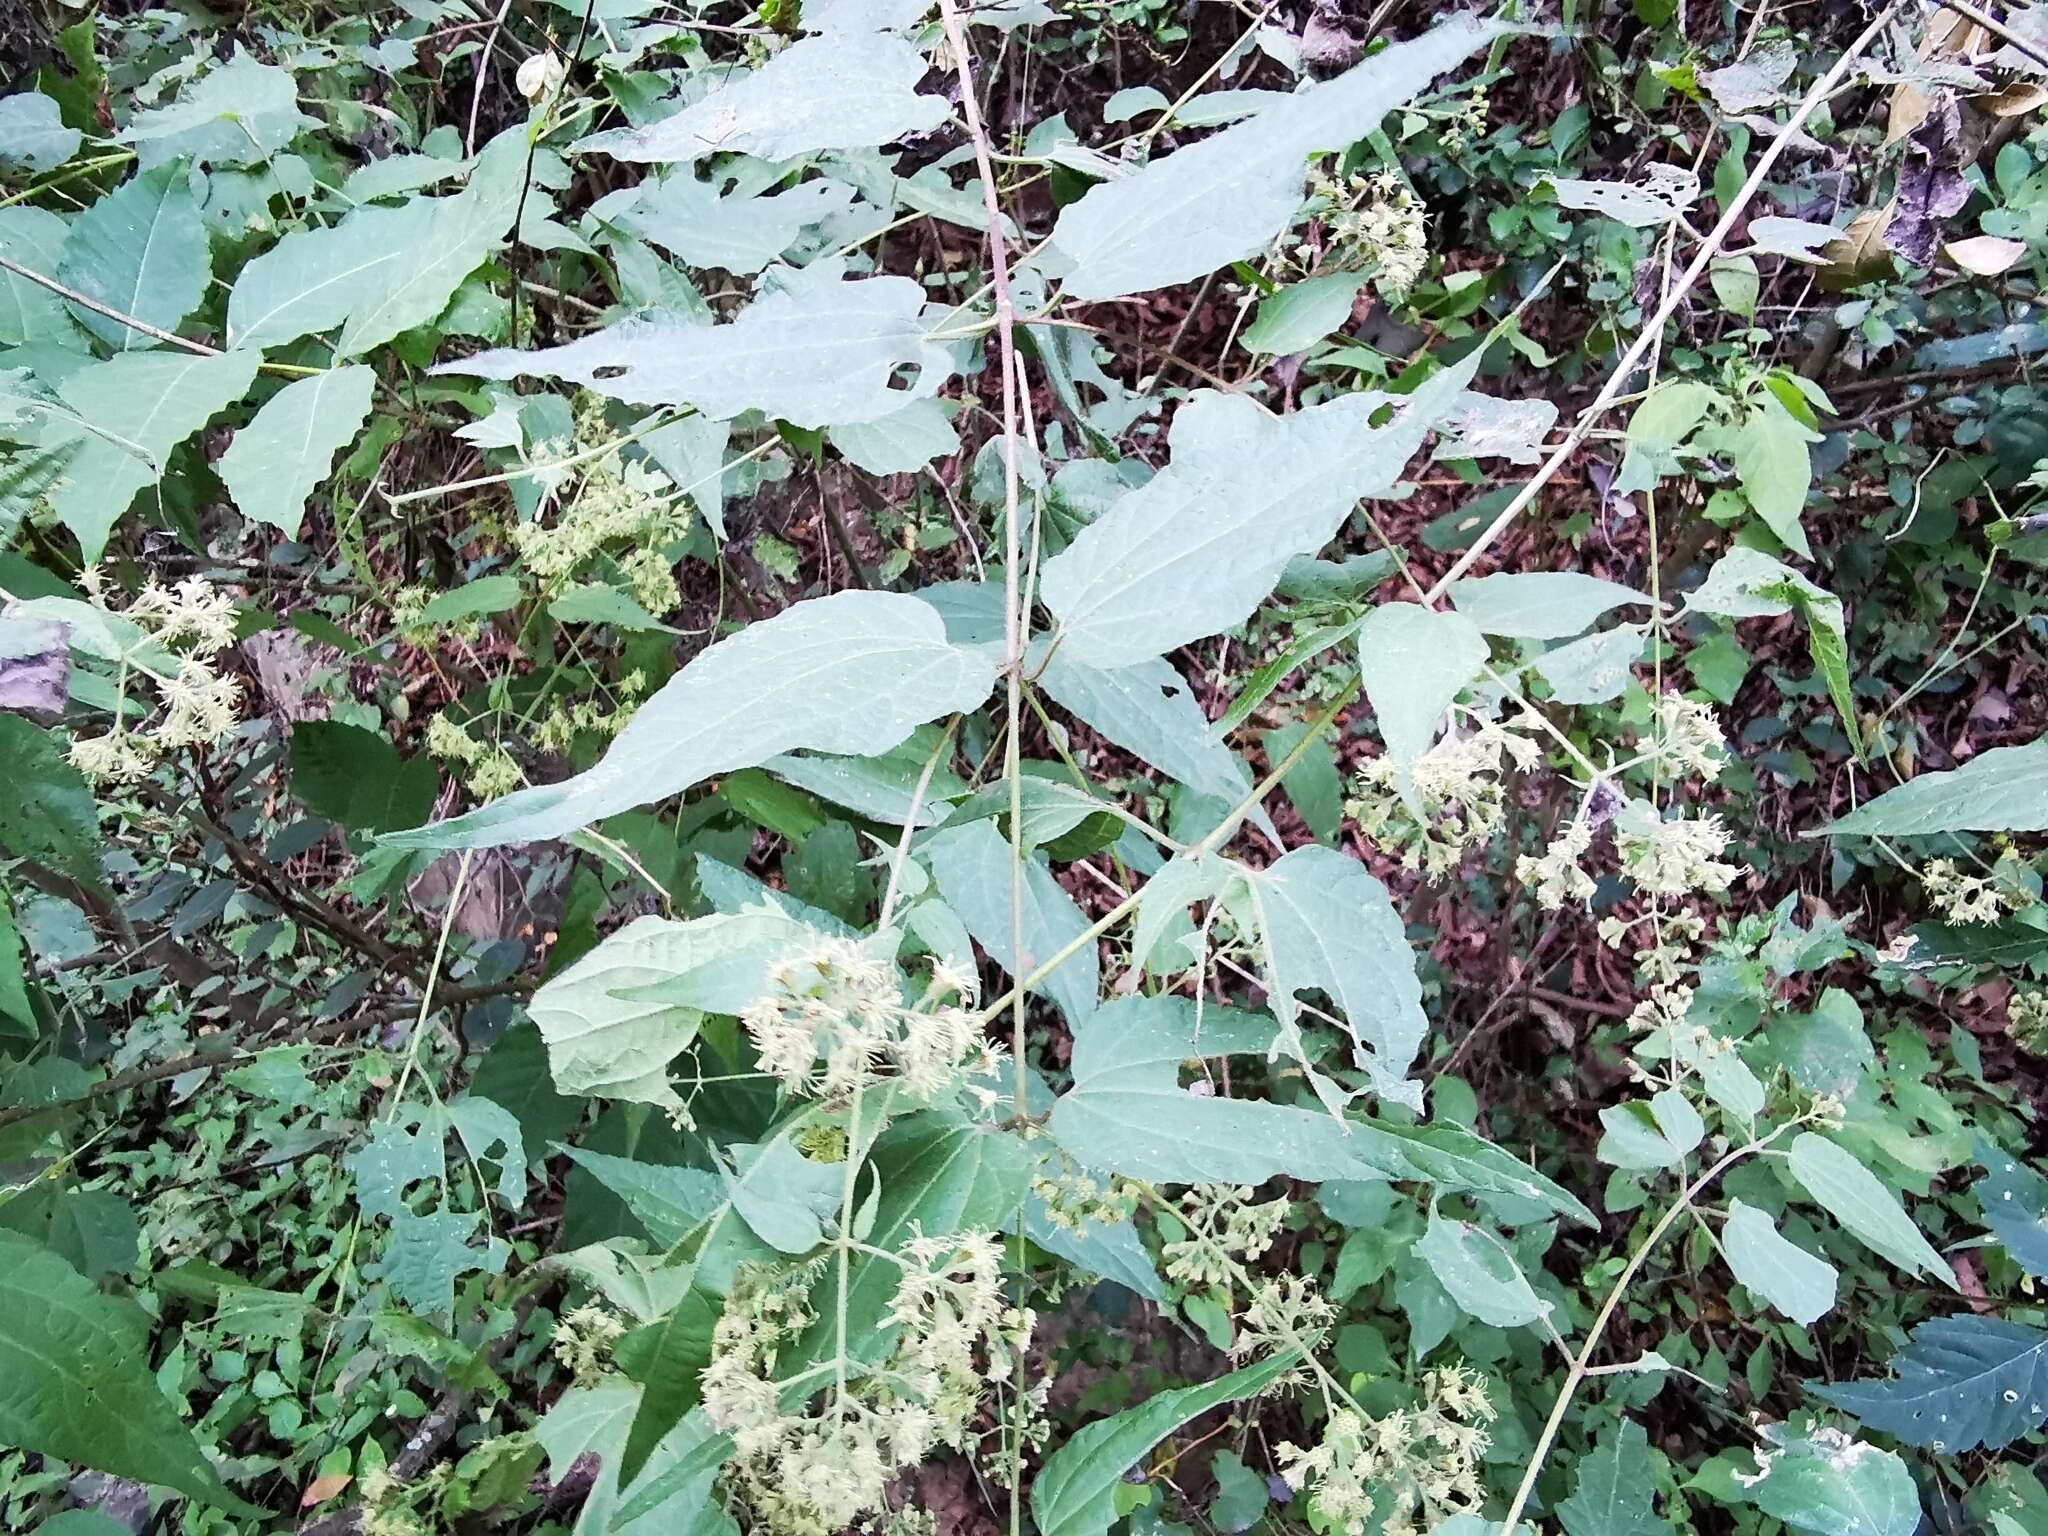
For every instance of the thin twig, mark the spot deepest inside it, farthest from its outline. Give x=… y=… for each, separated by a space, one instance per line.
x=86 y=301
x=1997 y=29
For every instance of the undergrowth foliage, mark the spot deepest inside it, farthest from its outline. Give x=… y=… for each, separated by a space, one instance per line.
x=1030 y=768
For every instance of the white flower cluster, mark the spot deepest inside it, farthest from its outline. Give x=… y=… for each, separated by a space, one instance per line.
x=1420 y=1464
x=1458 y=783
x=836 y=1019
x=1673 y=856
x=813 y=1463
x=583 y=1340
x=1224 y=1225
x=1370 y=222
x=1074 y=1196
x=2026 y=1019
x=1961 y=898
x=192 y=622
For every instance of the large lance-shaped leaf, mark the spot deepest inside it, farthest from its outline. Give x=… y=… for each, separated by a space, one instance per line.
x=1197 y=547
x=2003 y=790
x=853 y=673
x=282 y=457
x=972 y=866
x=1960 y=1382
x=141 y=250
x=1326 y=925
x=240 y=113
x=1146 y=709
x=1857 y=1198
x=821 y=355
x=851 y=91
x=616 y=1018
x=1075 y=1492
x=75 y=1382
x=140 y=406
x=1225 y=198
x=1539 y=605
x=1128 y=1113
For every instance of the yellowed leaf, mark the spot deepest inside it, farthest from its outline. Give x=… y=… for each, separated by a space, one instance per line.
x=1985 y=255
x=321 y=1489
x=1857 y=254
x=2021 y=97
x=1909 y=109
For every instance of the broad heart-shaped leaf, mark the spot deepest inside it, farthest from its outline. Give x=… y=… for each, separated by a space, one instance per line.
x=1225 y=198
x=1594 y=668
x=140 y=406
x=1539 y=605
x=1611 y=1488
x=820 y=355
x=1478 y=1272
x=972 y=866
x=669 y=1201
x=2015 y=1205
x=1959 y=1383
x=240 y=113
x=142 y=250
x=672 y=1496
x=1075 y=1491
x=1780 y=1271
x=1127 y=1113
x=354 y=776
x=1326 y=925
x=848 y=91
x=616 y=1018
x=1825 y=1483
x=1414 y=661
x=852 y=673
x=1146 y=709
x=1657 y=1132
x=2003 y=790
x=1197 y=547
x=283 y=456
x=29 y=312
x=1855 y=1197
x=75 y=1382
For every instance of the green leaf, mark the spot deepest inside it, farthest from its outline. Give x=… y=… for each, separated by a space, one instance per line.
x=1480 y=1274
x=1128 y=1113
x=1960 y=1382
x=1075 y=1491
x=1611 y=1488
x=140 y=406
x=1595 y=669
x=667 y=1357
x=1197 y=547
x=900 y=443
x=1771 y=461
x=1147 y=709
x=284 y=455
x=851 y=673
x=2003 y=790
x=17 y=1013
x=425 y=1255
x=1414 y=662
x=822 y=354
x=1241 y=1495
x=2014 y=1200
x=1539 y=605
x=1781 y=1272
x=473 y=599
x=1657 y=1132
x=972 y=866
x=1828 y=1484
x=1313 y=785
x=725 y=221
x=669 y=1201
x=355 y=777
x=29 y=313
x=141 y=250
x=46 y=809
x=847 y=91
x=1326 y=925
x=32 y=133
x=75 y=1382
x=616 y=1018
x=1852 y=1194
x=1226 y=197
x=1294 y=318
x=239 y=113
